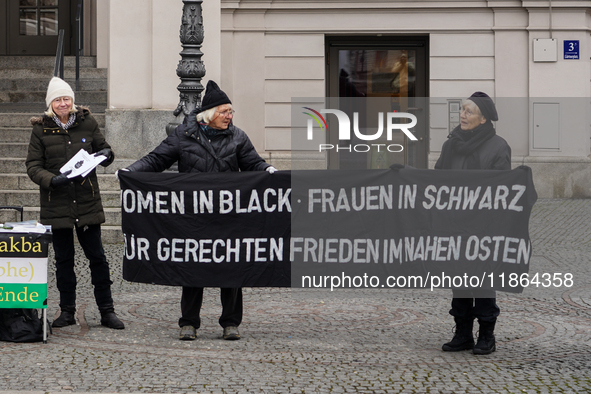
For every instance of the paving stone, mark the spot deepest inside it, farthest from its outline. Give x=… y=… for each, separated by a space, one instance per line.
x=356 y=341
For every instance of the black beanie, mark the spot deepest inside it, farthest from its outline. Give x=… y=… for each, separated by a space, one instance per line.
x=213 y=97
x=486 y=105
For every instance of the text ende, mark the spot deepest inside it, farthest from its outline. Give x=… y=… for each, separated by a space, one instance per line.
x=21 y=296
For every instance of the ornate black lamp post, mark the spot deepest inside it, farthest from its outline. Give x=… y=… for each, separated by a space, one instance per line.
x=190 y=69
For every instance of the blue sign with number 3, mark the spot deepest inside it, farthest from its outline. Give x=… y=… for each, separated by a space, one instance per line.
x=571 y=49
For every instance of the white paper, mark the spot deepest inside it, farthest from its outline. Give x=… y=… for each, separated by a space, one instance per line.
x=82 y=163
x=29 y=226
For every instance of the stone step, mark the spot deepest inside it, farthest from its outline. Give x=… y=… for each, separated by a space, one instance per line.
x=30 y=198
x=10 y=166
x=40 y=84
x=111 y=235
x=47 y=73
x=44 y=61
x=95 y=96
x=18 y=181
x=13 y=149
x=21 y=181
x=30 y=109
x=22 y=119
x=112 y=215
x=38 y=108
x=11 y=215
x=15 y=134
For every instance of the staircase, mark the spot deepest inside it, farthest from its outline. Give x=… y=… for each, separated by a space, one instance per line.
x=23 y=85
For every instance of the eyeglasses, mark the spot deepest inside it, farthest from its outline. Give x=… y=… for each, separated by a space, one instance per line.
x=227 y=113
x=467 y=112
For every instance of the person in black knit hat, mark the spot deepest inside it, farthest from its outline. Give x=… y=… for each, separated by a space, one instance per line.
x=213 y=97
x=475 y=145
x=207 y=141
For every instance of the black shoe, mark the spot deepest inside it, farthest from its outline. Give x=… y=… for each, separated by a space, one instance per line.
x=110 y=319
x=463 y=339
x=486 y=338
x=66 y=317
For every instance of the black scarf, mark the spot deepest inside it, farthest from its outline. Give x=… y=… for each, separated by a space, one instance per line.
x=209 y=132
x=466 y=143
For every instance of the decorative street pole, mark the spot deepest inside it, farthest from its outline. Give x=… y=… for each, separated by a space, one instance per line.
x=190 y=69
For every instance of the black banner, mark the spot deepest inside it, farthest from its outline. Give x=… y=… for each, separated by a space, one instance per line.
x=410 y=228
x=207 y=229
x=402 y=228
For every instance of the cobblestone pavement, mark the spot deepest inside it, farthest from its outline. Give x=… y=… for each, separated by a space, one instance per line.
x=367 y=341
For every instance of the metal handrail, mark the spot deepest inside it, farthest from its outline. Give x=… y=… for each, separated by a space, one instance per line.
x=58 y=70
x=79 y=39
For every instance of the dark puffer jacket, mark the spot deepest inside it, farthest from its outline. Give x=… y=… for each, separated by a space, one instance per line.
x=228 y=150
x=79 y=202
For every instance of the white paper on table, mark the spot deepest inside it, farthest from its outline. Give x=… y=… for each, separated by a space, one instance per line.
x=82 y=163
x=30 y=226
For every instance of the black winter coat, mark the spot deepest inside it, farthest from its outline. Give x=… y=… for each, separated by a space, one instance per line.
x=493 y=154
x=228 y=150
x=78 y=203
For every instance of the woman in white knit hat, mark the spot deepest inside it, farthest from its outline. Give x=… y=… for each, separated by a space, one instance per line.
x=71 y=203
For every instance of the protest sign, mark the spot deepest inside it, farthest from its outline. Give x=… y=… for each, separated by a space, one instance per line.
x=23 y=269
x=446 y=229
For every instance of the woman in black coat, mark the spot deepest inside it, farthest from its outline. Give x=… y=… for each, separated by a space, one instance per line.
x=475 y=145
x=71 y=203
x=207 y=142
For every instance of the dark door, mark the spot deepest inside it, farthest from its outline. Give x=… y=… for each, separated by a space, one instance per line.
x=31 y=26
x=380 y=74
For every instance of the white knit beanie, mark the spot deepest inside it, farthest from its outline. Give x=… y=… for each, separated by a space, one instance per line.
x=58 y=88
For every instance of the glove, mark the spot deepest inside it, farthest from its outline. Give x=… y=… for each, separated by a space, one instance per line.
x=270 y=169
x=61 y=179
x=117 y=172
x=104 y=152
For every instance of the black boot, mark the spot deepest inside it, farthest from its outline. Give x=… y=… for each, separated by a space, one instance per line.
x=463 y=338
x=486 y=338
x=109 y=318
x=66 y=317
